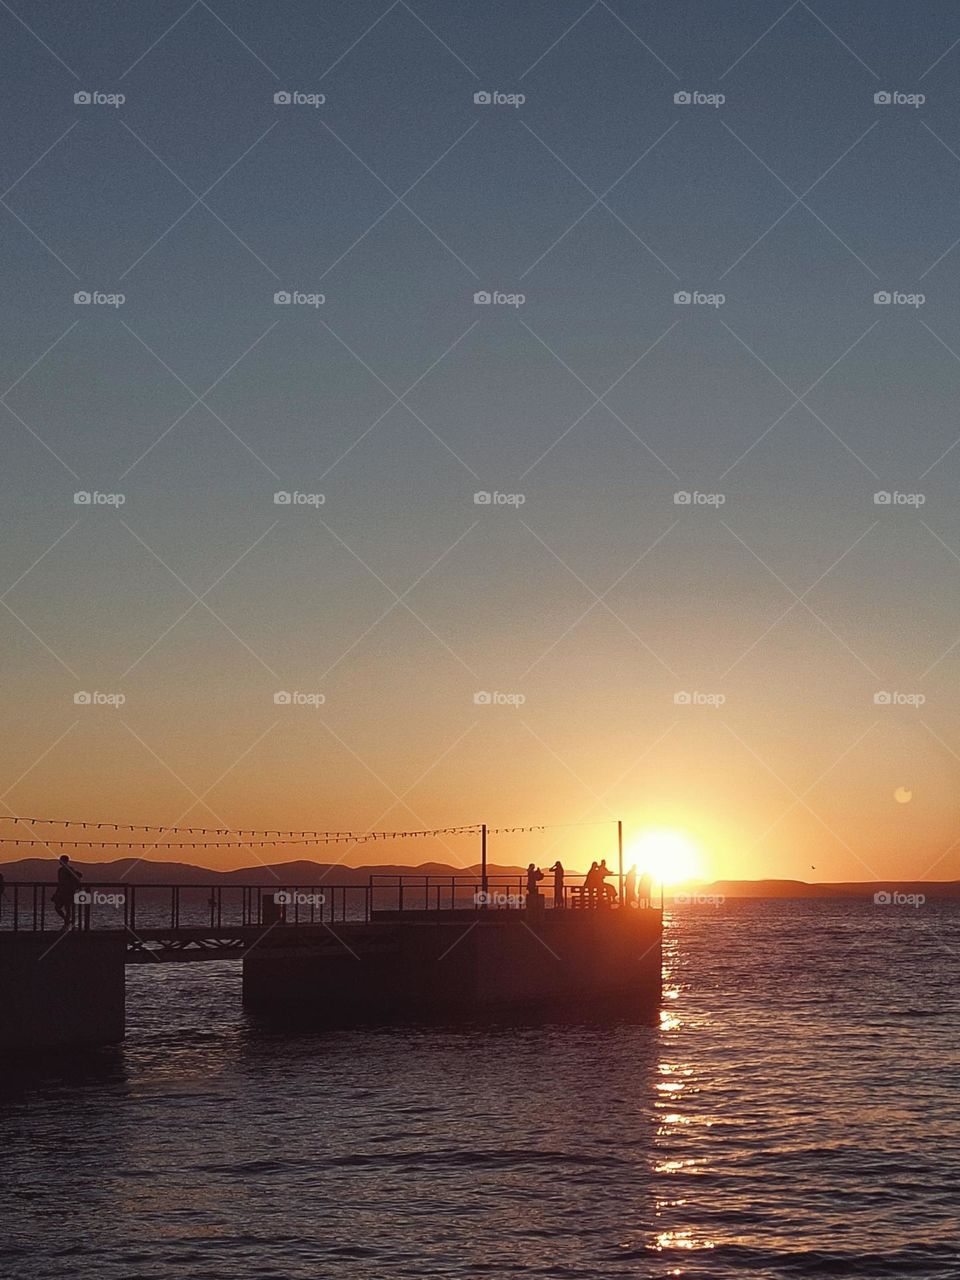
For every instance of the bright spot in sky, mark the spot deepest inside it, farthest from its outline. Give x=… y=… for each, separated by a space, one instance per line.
x=667 y=855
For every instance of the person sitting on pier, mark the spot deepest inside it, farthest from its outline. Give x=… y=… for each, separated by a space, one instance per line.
x=607 y=891
x=557 y=870
x=630 y=887
x=591 y=884
x=68 y=882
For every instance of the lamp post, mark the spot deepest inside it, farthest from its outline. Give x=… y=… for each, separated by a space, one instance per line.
x=483 y=861
x=620 y=855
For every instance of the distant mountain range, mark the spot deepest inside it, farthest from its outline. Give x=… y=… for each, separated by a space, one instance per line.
x=307 y=872
x=827 y=889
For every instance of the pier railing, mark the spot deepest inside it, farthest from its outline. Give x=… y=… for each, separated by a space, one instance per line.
x=29 y=906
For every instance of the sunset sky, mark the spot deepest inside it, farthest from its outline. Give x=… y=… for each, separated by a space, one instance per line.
x=774 y=674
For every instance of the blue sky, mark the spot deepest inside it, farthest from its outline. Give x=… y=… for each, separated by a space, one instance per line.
x=599 y=597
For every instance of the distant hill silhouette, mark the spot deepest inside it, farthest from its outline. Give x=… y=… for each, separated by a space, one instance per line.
x=826 y=889
x=307 y=872
x=301 y=872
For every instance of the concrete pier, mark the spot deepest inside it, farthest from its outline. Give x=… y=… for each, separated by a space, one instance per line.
x=59 y=991
x=421 y=963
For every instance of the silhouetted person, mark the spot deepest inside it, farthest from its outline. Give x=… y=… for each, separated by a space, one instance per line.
x=608 y=892
x=68 y=882
x=592 y=883
x=557 y=870
x=630 y=886
x=534 y=876
x=646 y=890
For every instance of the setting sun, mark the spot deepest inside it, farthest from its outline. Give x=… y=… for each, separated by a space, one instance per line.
x=667 y=855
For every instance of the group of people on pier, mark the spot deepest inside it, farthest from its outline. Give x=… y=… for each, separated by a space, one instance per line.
x=594 y=891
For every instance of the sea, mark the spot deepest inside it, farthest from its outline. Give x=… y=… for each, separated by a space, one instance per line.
x=792 y=1109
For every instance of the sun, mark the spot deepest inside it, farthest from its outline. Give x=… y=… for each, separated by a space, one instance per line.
x=668 y=856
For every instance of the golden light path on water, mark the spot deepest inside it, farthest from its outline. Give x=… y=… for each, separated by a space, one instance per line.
x=676 y=1077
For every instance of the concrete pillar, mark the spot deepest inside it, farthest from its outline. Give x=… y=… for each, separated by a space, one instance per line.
x=61 y=990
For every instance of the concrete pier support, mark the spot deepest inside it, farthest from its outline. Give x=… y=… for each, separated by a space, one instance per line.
x=459 y=962
x=59 y=991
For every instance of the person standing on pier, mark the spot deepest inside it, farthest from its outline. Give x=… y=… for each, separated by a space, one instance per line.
x=646 y=890
x=630 y=887
x=534 y=876
x=68 y=882
x=557 y=870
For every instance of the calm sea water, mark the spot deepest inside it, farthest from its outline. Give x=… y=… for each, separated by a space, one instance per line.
x=795 y=1113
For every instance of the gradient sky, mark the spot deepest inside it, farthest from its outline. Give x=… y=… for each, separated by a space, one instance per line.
x=599 y=599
